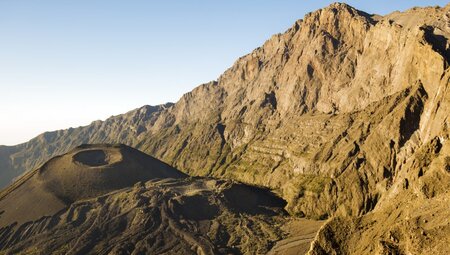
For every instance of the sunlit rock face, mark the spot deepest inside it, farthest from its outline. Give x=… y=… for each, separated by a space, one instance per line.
x=343 y=114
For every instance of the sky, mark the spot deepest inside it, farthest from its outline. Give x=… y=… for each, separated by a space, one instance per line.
x=67 y=63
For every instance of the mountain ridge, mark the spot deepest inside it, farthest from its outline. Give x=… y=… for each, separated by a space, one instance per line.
x=190 y=111
x=342 y=97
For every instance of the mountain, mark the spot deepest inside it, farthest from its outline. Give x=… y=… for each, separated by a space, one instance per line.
x=14 y=160
x=345 y=115
x=88 y=171
x=112 y=199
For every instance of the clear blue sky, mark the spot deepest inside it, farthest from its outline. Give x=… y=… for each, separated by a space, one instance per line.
x=66 y=63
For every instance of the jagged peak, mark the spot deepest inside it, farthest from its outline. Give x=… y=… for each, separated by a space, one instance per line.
x=345 y=7
x=340 y=5
x=337 y=8
x=155 y=107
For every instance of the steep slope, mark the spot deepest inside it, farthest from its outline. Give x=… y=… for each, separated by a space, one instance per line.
x=412 y=218
x=342 y=97
x=112 y=199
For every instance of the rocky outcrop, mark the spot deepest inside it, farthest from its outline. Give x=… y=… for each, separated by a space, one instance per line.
x=411 y=218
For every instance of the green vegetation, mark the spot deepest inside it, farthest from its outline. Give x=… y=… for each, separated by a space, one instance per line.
x=311 y=183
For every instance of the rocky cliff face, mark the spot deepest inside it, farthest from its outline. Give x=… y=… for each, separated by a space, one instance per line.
x=332 y=114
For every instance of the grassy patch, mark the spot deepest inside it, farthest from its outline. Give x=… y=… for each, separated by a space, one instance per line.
x=311 y=183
